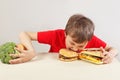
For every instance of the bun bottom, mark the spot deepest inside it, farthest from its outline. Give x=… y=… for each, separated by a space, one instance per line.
x=68 y=60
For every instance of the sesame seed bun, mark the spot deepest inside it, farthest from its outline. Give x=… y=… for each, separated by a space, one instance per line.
x=67 y=55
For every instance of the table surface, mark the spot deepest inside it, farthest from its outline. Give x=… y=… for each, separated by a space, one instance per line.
x=47 y=66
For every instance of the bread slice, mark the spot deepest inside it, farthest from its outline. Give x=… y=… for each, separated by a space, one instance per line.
x=68 y=53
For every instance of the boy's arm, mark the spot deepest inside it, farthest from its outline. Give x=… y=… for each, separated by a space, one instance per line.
x=26 y=39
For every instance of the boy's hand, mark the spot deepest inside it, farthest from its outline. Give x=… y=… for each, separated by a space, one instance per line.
x=107 y=57
x=24 y=56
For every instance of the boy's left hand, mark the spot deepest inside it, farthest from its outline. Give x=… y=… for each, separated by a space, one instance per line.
x=24 y=56
x=107 y=57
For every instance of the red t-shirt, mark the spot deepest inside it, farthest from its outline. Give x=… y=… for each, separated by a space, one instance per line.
x=56 y=40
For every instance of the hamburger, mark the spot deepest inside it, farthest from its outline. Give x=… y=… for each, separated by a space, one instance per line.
x=67 y=55
x=93 y=55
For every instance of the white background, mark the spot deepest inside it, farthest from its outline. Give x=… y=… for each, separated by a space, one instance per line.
x=37 y=15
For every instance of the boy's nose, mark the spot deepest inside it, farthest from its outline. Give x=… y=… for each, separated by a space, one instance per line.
x=75 y=49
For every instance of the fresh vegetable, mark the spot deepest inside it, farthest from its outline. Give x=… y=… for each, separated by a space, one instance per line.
x=5 y=50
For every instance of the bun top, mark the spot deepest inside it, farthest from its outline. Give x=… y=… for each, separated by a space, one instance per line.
x=67 y=53
x=93 y=53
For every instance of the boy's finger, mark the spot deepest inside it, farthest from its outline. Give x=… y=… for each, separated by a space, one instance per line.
x=20 y=50
x=16 y=55
x=103 y=51
x=16 y=61
x=106 y=60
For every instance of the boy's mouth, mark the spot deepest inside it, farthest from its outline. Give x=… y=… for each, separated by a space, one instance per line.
x=78 y=51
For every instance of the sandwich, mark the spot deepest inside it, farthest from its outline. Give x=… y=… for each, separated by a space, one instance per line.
x=67 y=55
x=93 y=55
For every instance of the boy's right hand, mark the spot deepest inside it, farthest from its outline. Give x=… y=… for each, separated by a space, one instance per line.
x=24 y=56
x=107 y=57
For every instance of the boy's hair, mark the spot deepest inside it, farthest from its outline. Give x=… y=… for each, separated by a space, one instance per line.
x=80 y=28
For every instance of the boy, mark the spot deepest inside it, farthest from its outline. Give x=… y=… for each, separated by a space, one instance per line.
x=78 y=34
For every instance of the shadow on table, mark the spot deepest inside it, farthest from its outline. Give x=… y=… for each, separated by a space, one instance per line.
x=44 y=55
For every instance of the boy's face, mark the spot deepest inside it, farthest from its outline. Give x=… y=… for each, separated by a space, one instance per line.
x=71 y=45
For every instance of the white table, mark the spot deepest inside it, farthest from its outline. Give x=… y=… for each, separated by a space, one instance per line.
x=46 y=66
